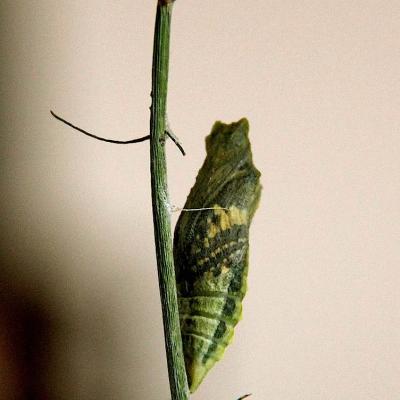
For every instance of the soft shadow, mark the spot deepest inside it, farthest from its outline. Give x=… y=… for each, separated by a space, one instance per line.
x=26 y=329
x=47 y=353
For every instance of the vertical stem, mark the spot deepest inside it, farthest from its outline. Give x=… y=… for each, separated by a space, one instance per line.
x=162 y=223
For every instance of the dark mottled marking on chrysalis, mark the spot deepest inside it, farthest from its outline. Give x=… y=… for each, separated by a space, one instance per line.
x=211 y=248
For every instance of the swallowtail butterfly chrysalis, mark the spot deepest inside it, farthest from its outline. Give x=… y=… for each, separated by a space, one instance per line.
x=211 y=247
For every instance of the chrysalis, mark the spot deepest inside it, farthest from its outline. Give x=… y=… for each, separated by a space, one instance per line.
x=211 y=247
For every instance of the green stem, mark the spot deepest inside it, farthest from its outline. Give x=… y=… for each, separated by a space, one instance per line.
x=162 y=223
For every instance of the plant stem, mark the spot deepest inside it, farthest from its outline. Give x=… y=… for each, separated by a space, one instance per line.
x=162 y=223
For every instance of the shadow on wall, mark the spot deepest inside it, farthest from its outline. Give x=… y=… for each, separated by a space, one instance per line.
x=48 y=351
x=26 y=333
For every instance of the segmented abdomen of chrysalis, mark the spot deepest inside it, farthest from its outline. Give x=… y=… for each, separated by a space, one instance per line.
x=211 y=247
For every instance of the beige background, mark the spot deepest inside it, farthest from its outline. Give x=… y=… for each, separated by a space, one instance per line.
x=319 y=82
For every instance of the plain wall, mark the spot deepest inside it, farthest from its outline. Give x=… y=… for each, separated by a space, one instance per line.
x=319 y=82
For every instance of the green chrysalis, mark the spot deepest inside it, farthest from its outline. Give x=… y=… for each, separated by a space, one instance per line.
x=211 y=247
